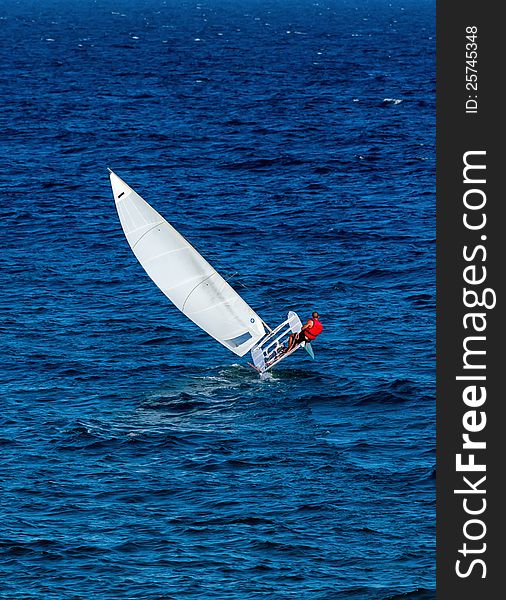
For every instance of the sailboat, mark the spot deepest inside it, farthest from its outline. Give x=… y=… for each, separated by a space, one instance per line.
x=195 y=287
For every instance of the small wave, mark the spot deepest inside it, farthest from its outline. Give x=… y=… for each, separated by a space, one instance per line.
x=155 y=341
x=339 y=286
x=416 y=594
x=379 y=273
x=285 y=548
x=10 y=547
x=235 y=122
x=323 y=170
x=181 y=402
x=315 y=507
x=8 y=442
x=421 y=300
x=262 y=164
x=92 y=437
x=393 y=101
x=396 y=392
x=369 y=530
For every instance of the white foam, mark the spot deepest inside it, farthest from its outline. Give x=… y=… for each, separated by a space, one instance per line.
x=266 y=376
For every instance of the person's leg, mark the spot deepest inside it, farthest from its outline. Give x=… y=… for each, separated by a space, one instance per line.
x=295 y=338
x=290 y=342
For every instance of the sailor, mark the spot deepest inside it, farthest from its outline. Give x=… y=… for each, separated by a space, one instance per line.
x=308 y=333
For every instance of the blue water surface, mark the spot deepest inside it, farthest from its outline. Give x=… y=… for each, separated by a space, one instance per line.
x=292 y=142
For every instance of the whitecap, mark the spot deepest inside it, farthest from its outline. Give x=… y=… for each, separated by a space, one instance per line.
x=266 y=376
x=392 y=100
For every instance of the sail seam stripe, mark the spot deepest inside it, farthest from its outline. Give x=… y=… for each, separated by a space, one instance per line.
x=165 y=254
x=200 y=283
x=146 y=232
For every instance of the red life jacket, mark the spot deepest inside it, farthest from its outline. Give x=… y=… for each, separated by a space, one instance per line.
x=315 y=330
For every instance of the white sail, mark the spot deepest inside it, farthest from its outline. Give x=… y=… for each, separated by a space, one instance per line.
x=183 y=275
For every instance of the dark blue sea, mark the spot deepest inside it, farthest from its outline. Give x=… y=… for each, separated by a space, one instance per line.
x=293 y=144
